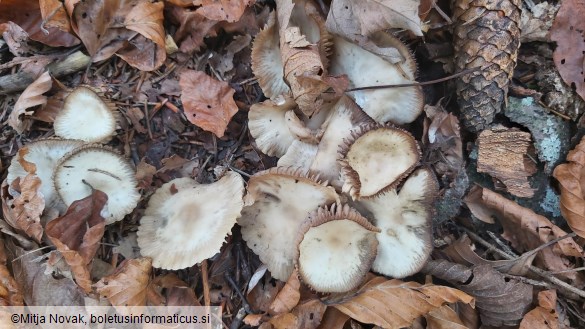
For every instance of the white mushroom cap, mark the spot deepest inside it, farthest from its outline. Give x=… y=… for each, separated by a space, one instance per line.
x=104 y=170
x=299 y=154
x=376 y=158
x=45 y=154
x=344 y=117
x=405 y=220
x=268 y=125
x=364 y=68
x=336 y=248
x=186 y=222
x=266 y=60
x=85 y=116
x=282 y=199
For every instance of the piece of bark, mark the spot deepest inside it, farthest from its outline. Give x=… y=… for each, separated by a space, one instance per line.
x=503 y=154
x=17 y=82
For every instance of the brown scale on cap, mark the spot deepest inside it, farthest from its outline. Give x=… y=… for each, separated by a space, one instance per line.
x=335 y=249
x=376 y=159
x=278 y=201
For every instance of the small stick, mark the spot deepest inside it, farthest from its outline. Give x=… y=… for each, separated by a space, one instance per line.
x=205 y=277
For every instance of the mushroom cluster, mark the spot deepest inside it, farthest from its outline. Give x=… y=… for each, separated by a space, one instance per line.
x=348 y=195
x=71 y=166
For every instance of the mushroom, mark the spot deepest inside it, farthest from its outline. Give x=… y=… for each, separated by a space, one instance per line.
x=44 y=154
x=405 y=220
x=186 y=222
x=367 y=67
x=299 y=154
x=85 y=116
x=94 y=166
x=281 y=199
x=336 y=248
x=266 y=61
x=375 y=159
x=344 y=117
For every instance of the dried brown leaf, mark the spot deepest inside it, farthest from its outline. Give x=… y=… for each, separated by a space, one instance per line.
x=288 y=297
x=143 y=54
x=396 y=304
x=54 y=15
x=527 y=230
x=359 y=17
x=207 y=102
x=193 y=28
x=177 y=291
x=17 y=39
x=503 y=153
x=146 y=18
x=25 y=206
x=222 y=10
x=306 y=315
x=333 y=319
x=446 y=147
x=544 y=316
x=77 y=234
x=32 y=96
x=27 y=14
x=568 y=31
x=571 y=177
x=444 y=317
x=10 y=294
x=128 y=286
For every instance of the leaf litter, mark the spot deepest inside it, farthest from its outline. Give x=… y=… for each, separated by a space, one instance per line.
x=183 y=76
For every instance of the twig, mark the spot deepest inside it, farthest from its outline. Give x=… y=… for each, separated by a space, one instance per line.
x=205 y=277
x=563 y=286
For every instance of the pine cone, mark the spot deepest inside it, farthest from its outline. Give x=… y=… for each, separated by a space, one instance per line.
x=486 y=35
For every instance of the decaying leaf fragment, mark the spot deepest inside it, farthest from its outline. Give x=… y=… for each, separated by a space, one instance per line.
x=568 y=31
x=128 y=285
x=222 y=10
x=10 y=294
x=503 y=153
x=30 y=97
x=486 y=35
x=544 y=316
x=208 y=103
x=571 y=177
x=77 y=235
x=396 y=304
x=24 y=205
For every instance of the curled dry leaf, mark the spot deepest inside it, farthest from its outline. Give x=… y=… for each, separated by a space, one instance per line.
x=352 y=18
x=54 y=15
x=25 y=205
x=146 y=18
x=289 y=296
x=306 y=315
x=501 y=300
x=571 y=177
x=193 y=28
x=446 y=147
x=527 y=230
x=396 y=304
x=128 y=286
x=503 y=153
x=222 y=10
x=10 y=294
x=77 y=235
x=544 y=316
x=568 y=31
x=30 y=97
x=208 y=103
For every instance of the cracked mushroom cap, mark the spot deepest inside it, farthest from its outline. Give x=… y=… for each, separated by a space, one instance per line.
x=186 y=222
x=405 y=220
x=375 y=159
x=85 y=116
x=103 y=169
x=368 y=67
x=336 y=248
x=44 y=154
x=282 y=199
x=267 y=62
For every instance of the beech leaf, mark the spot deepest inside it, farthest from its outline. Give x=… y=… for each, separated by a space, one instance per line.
x=128 y=285
x=208 y=103
x=571 y=177
x=222 y=10
x=77 y=235
x=146 y=18
x=30 y=97
x=544 y=316
x=289 y=295
x=396 y=304
x=25 y=205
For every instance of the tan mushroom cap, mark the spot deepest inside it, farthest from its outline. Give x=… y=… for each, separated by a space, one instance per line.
x=376 y=158
x=405 y=220
x=266 y=60
x=103 y=169
x=365 y=68
x=85 y=116
x=282 y=199
x=45 y=154
x=336 y=248
x=344 y=117
x=268 y=125
x=186 y=222
x=299 y=154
